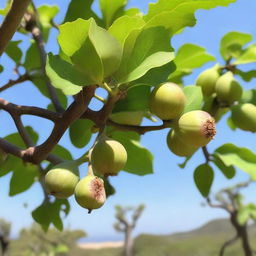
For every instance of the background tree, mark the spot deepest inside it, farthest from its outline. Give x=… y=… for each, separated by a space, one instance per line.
x=5 y=230
x=231 y=200
x=34 y=241
x=126 y=225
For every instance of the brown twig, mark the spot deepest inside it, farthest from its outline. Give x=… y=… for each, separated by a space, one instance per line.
x=11 y=22
x=27 y=110
x=33 y=27
x=11 y=83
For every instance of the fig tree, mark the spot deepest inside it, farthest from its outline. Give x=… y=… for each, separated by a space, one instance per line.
x=128 y=118
x=167 y=101
x=177 y=146
x=207 y=80
x=244 y=116
x=196 y=128
x=90 y=192
x=228 y=90
x=61 y=180
x=108 y=157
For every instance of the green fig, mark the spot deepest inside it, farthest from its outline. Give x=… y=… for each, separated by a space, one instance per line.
x=61 y=180
x=196 y=128
x=228 y=90
x=207 y=80
x=244 y=116
x=127 y=118
x=177 y=146
x=167 y=101
x=90 y=192
x=108 y=157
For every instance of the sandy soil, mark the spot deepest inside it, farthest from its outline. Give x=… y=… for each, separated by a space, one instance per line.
x=100 y=245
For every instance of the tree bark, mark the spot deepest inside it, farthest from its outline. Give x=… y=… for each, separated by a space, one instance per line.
x=4 y=246
x=128 y=245
x=242 y=233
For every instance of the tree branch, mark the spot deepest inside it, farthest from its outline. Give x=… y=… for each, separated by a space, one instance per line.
x=11 y=22
x=27 y=110
x=10 y=83
x=207 y=155
x=75 y=110
x=215 y=205
x=226 y=244
x=33 y=27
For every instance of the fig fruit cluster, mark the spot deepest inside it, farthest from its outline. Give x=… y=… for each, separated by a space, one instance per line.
x=226 y=87
x=194 y=129
x=107 y=158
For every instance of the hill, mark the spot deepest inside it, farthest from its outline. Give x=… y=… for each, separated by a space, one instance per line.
x=204 y=241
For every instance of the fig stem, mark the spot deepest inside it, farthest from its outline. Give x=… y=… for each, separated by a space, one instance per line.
x=105 y=86
x=99 y=98
x=90 y=171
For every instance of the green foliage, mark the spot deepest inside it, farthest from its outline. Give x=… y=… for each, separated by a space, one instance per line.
x=194 y=98
x=203 y=177
x=49 y=213
x=242 y=158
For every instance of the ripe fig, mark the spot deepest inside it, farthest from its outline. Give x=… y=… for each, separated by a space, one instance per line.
x=128 y=118
x=228 y=90
x=177 y=146
x=61 y=180
x=207 y=80
x=108 y=157
x=167 y=101
x=196 y=128
x=244 y=116
x=90 y=192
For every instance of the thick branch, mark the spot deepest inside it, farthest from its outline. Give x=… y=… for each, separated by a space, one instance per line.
x=9 y=84
x=27 y=110
x=76 y=109
x=33 y=27
x=11 y=22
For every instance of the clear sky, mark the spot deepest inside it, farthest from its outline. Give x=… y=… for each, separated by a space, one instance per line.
x=171 y=199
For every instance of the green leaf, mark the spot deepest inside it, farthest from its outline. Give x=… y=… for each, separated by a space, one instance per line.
x=248 y=56
x=107 y=47
x=91 y=48
x=232 y=43
x=46 y=15
x=137 y=99
x=203 y=177
x=80 y=9
x=230 y=123
x=80 y=132
x=49 y=213
x=140 y=160
x=243 y=215
x=123 y=26
x=1 y=68
x=110 y=10
x=156 y=76
x=4 y=11
x=189 y=57
x=194 y=98
x=23 y=177
x=242 y=158
x=13 y=51
x=177 y=14
x=32 y=59
x=228 y=171
x=144 y=50
x=65 y=76
x=246 y=76
x=62 y=152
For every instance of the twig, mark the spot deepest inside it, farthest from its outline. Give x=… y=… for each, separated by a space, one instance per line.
x=226 y=244
x=27 y=110
x=11 y=22
x=207 y=155
x=35 y=30
x=11 y=83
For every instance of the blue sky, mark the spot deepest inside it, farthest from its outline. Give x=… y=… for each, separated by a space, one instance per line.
x=172 y=201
